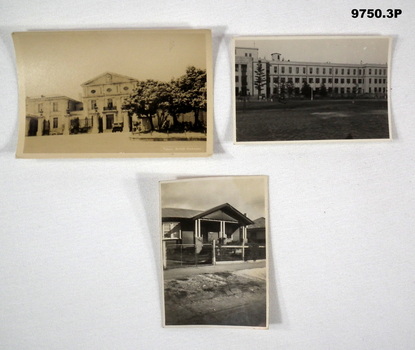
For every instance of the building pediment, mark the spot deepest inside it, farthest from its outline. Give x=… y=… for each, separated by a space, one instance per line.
x=109 y=78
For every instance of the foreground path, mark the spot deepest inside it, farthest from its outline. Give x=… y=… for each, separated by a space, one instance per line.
x=196 y=270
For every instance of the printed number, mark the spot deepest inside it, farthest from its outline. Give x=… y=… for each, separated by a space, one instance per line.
x=375 y=13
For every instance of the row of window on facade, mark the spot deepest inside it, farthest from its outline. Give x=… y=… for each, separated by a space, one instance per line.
x=277 y=80
x=336 y=90
x=329 y=71
x=93 y=105
x=55 y=107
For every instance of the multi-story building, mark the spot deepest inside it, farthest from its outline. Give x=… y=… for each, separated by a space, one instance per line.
x=100 y=109
x=47 y=115
x=103 y=98
x=261 y=77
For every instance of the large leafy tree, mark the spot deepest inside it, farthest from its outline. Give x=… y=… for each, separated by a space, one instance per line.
x=306 y=89
x=192 y=93
x=154 y=99
x=259 y=78
x=144 y=101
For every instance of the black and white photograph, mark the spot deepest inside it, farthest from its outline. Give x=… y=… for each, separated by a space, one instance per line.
x=311 y=88
x=115 y=93
x=214 y=249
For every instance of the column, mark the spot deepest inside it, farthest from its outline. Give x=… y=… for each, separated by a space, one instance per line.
x=104 y=123
x=67 y=124
x=95 y=123
x=39 y=127
x=126 y=127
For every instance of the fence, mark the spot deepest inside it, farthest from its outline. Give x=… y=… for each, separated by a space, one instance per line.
x=182 y=255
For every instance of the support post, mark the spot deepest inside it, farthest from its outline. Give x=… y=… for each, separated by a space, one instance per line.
x=164 y=255
x=214 y=252
x=39 y=127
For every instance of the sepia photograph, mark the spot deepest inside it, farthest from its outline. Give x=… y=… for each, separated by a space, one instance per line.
x=115 y=93
x=311 y=88
x=214 y=240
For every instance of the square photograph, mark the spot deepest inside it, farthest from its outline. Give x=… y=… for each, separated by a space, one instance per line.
x=311 y=88
x=115 y=93
x=215 y=251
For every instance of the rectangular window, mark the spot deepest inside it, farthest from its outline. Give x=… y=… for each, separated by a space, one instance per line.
x=317 y=70
x=324 y=70
x=55 y=123
x=376 y=71
x=236 y=79
x=376 y=81
x=342 y=81
x=297 y=70
x=337 y=71
x=330 y=70
x=283 y=80
x=342 y=71
x=354 y=71
x=311 y=80
x=384 y=72
x=360 y=72
x=304 y=71
x=276 y=69
x=93 y=104
x=354 y=81
x=359 y=81
x=318 y=80
x=297 y=80
x=55 y=106
x=330 y=80
x=282 y=69
x=370 y=71
x=370 y=81
x=311 y=70
x=348 y=81
x=236 y=67
x=290 y=70
x=275 y=80
x=348 y=71
x=336 y=80
x=323 y=80
x=384 y=81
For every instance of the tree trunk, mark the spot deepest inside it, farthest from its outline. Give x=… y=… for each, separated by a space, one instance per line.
x=197 y=122
x=151 y=123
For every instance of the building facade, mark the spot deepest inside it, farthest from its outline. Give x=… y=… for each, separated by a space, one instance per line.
x=101 y=109
x=265 y=78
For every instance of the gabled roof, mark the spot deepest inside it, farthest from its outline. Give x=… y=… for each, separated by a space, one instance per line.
x=115 y=78
x=178 y=213
x=258 y=223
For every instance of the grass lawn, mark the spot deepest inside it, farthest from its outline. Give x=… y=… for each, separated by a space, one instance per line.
x=311 y=120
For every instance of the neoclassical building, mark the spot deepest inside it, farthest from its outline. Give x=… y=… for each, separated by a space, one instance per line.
x=338 y=78
x=100 y=110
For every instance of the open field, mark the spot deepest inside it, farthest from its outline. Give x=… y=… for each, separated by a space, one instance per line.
x=221 y=298
x=311 y=120
x=233 y=295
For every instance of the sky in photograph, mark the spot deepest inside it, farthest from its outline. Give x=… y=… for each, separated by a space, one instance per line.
x=57 y=63
x=246 y=194
x=318 y=49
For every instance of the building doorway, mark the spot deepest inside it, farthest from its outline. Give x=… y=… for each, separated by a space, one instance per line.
x=110 y=121
x=33 y=125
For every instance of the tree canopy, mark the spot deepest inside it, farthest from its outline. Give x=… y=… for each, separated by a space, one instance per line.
x=185 y=94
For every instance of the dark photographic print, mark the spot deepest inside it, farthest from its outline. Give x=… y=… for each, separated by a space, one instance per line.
x=214 y=249
x=115 y=93
x=311 y=88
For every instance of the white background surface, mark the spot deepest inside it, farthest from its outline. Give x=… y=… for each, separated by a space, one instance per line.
x=79 y=249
